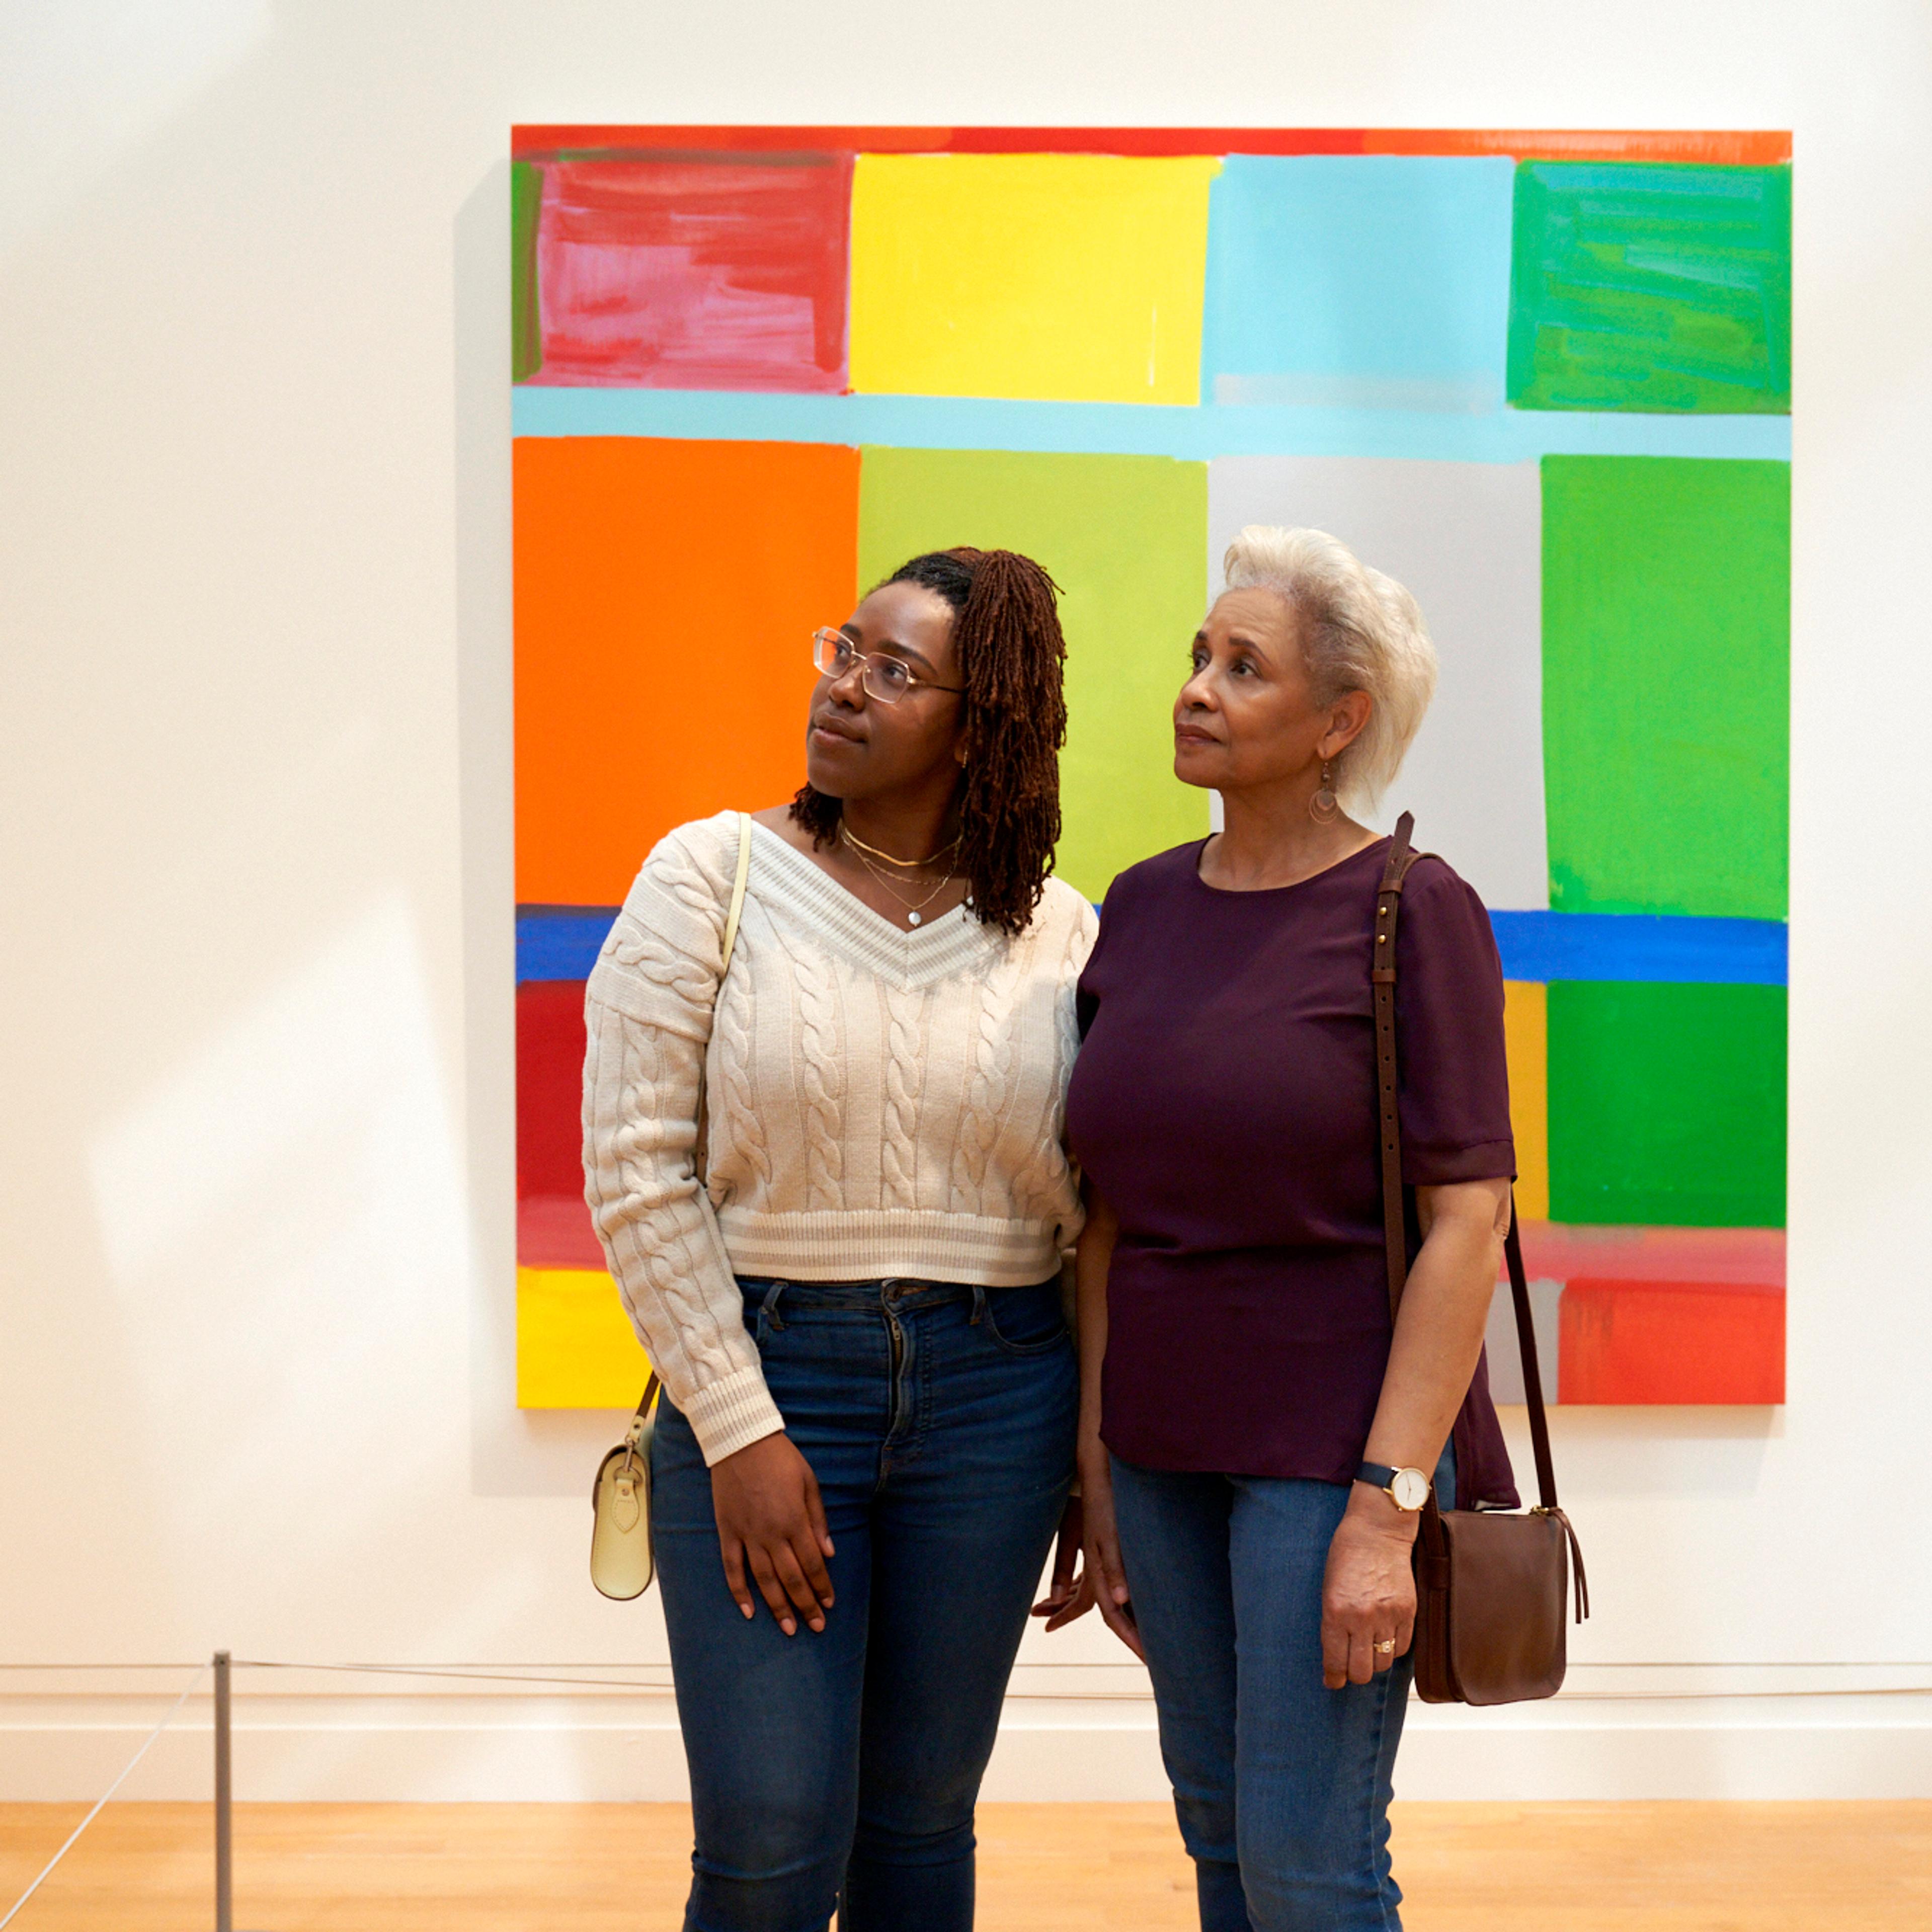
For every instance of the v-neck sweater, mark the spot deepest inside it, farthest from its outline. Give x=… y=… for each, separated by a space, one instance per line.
x=875 y=1102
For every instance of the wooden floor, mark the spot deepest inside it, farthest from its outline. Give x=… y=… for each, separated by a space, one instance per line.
x=1851 y=1867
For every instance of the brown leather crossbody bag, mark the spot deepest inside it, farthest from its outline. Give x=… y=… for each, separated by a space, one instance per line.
x=1491 y=1586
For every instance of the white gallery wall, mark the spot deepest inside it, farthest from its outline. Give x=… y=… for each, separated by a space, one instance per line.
x=256 y=1148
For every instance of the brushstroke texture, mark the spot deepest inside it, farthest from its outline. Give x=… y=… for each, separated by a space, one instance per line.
x=526 y=313
x=701 y=273
x=1669 y=1342
x=1657 y=289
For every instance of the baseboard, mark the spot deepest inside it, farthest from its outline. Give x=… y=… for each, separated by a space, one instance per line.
x=618 y=1746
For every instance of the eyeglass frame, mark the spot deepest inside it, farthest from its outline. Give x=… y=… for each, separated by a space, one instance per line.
x=838 y=642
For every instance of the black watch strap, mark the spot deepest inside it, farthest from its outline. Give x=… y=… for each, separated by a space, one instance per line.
x=1379 y=1475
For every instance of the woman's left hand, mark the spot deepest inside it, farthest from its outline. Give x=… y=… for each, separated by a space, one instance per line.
x=1368 y=1596
x=1069 y=1596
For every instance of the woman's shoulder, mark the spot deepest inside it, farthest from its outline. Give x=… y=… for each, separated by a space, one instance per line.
x=1433 y=881
x=702 y=848
x=1442 y=908
x=681 y=886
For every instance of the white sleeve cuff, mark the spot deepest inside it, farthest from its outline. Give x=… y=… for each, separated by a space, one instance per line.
x=731 y=1413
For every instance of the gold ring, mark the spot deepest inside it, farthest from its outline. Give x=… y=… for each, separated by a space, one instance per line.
x=1387 y=1645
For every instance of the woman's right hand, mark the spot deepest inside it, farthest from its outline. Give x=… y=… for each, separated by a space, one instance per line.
x=1103 y=1553
x=770 y=1520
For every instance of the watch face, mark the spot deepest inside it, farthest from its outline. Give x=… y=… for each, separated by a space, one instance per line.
x=1410 y=1488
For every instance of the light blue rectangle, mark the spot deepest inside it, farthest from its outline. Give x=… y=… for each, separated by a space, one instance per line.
x=1364 y=279
x=1193 y=434
x=1549 y=946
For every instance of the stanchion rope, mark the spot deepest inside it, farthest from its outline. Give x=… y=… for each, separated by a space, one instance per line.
x=193 y=1682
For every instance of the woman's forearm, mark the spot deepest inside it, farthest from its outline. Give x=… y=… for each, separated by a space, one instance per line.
x=1091 y=1259
x=1439 y=1335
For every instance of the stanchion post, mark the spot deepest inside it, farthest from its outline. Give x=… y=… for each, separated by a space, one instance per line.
x=224 y=1845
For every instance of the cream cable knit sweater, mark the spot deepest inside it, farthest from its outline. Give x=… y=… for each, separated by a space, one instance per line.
x=878 y=1103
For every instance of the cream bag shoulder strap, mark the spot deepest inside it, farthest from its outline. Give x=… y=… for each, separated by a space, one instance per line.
x=623 y=1561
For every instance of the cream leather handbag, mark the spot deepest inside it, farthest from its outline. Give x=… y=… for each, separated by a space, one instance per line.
x=621 y=1560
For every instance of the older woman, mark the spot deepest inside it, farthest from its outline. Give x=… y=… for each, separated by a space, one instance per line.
x=1255 y=1444
x=854 y=1297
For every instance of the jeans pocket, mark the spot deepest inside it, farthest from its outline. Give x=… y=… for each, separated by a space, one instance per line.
x=1025 y=1320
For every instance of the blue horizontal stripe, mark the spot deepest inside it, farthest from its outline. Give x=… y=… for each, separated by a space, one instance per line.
x=1548 y=945
x=1197 y=434
x=560 y=942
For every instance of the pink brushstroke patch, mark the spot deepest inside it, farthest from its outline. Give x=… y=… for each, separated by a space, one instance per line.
x=695 y=274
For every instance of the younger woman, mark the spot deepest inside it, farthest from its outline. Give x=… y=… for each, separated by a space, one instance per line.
x=850 y=1288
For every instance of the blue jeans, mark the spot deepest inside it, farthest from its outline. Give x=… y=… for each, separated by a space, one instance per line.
x=1281 y=1786
x=840 y=1769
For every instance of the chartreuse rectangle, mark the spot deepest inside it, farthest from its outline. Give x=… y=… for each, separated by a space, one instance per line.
x=1125 y=539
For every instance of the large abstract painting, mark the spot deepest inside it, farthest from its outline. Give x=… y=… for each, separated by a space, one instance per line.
x=1544 y=379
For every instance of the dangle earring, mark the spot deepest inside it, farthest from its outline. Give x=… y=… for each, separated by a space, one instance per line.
x=1324 y=807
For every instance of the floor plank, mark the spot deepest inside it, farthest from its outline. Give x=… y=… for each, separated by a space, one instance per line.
x=1662 y=1867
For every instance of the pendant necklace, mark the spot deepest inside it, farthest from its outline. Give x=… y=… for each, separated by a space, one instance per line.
x=913 y=907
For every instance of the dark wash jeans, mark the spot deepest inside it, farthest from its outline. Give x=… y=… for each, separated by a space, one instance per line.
x=1281 y=1785
x=839 y=1770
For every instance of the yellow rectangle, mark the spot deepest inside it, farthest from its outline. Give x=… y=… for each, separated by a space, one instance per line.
x=575 y=1347
x=1066 y=278
x=1526 y=1041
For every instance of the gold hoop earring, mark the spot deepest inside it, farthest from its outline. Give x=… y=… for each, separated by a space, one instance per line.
x=1324 y=808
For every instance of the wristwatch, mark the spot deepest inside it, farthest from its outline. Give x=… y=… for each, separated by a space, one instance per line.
x=1407 y=1489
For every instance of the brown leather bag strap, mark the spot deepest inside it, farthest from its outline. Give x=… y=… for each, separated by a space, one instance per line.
x=1382 y=976
x=1395 y=1232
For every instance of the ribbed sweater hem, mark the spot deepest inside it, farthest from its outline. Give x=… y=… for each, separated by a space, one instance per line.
x=920 y=1244
x=731 y=1413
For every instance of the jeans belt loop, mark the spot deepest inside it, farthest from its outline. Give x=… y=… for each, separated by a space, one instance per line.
x=768 y=1312
x=979 y=1304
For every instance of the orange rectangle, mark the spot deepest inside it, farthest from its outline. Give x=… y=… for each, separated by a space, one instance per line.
x=666 y=594
x=1670 y=1341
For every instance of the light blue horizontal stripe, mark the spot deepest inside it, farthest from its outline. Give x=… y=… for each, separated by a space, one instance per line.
x=1548 y=945
x=560 y=942
x=1196 y=434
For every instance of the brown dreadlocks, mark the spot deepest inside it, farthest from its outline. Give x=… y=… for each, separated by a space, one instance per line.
x=1006 y=627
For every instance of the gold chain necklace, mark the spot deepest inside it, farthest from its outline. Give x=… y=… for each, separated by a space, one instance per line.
x=913 y=907
x=859 y=844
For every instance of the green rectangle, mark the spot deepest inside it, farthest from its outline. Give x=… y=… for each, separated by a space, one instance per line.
x=1661 y=288
x=1666 y=697
x=1666 y=1104
x=1125 y=539
x=525 y=317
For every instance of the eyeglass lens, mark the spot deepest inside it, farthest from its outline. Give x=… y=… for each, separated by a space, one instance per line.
x=885 y=679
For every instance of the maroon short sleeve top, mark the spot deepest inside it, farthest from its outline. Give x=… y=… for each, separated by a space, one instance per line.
x=1224 y=1105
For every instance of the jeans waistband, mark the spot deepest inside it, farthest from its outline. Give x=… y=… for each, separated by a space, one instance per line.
x=893 y=1292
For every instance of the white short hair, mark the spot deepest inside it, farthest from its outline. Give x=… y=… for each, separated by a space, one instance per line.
x=1359 y=630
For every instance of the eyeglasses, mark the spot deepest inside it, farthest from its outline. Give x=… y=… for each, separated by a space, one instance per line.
x=887 y=679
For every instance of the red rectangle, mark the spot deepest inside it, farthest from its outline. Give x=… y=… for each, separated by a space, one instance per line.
x=550 y=1088
x=689 y=272
x=555 y=1231
x=1670 y=1341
